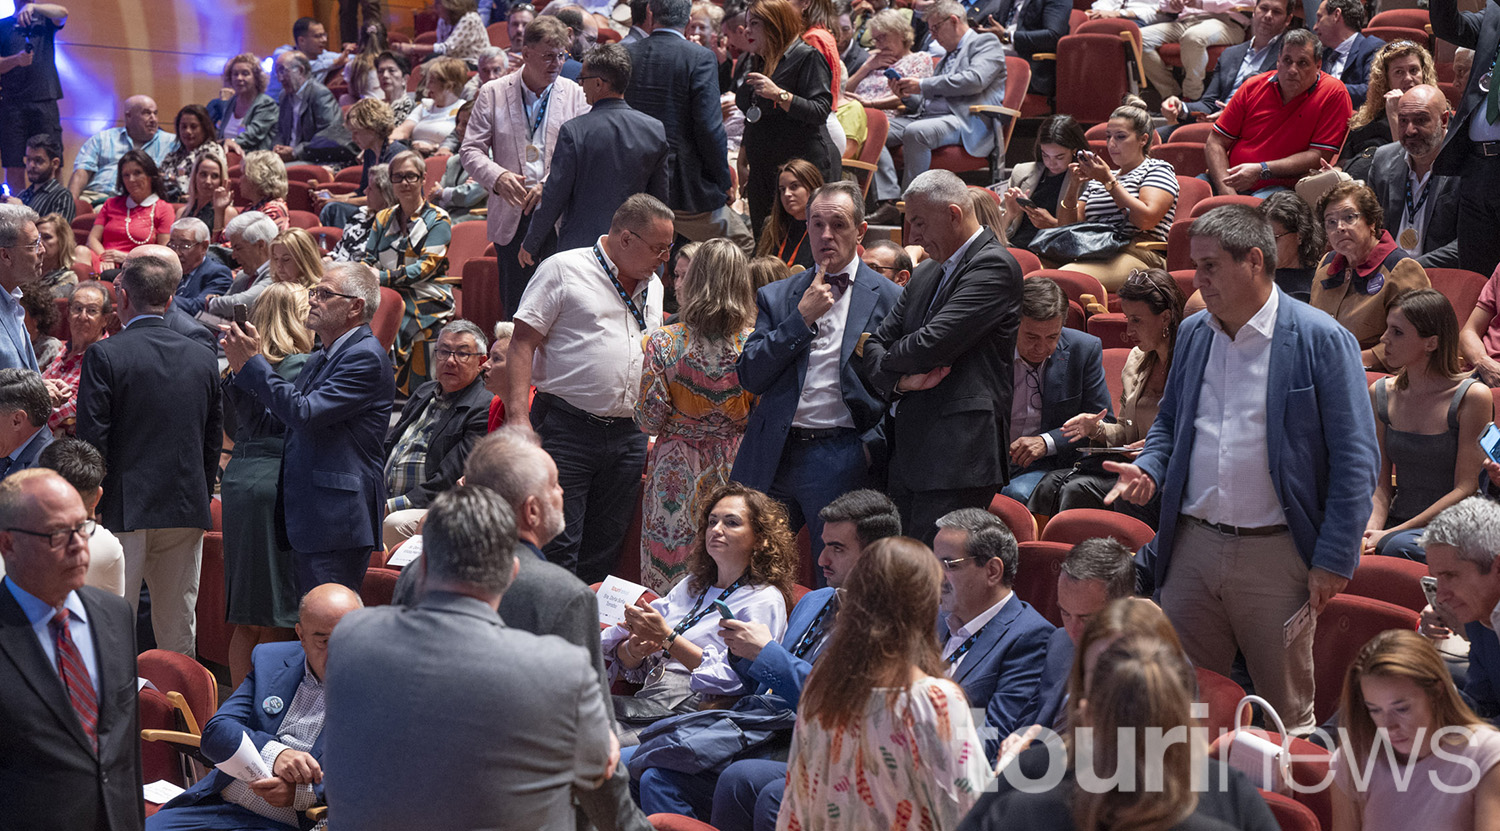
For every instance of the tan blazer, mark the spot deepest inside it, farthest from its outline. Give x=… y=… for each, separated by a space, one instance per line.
x=496 y=141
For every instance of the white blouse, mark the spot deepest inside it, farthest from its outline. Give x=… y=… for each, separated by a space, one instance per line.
x=434 y=123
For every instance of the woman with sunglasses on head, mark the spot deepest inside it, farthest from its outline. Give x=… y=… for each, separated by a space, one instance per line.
x=1396 y=68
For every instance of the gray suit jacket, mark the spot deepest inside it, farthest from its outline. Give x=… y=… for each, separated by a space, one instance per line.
x=1388 y=171
x=449 y=681
x=973 y=73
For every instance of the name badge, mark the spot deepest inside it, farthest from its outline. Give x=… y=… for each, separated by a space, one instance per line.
x=1376 y=284
x=272 y=705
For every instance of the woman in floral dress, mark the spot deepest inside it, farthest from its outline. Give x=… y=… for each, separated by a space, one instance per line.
x=691 y=400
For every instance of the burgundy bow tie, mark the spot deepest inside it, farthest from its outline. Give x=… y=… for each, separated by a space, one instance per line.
x=839 y=283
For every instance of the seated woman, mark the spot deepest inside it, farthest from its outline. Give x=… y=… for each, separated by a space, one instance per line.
x=379 y=195
x=456 y=191
x=460 y=34
x=1153 y=308
x=1043 y=181
x=1299 y=242
x=744 y=555
x=208 y=198
x=370 y=122
x=785 y=233
x=137 y=217
x=1366 y=272
x=89 y=311
x=1139 y=200
x=392 y=70
x=1397 y=67
x=264 y=185
x=408 y=248
x=892 y=33
x=296 y=259
x=435 y=118
x=893 y=703
x=1444 y=770
x=41 y=316
x=359 y=73
x=62 y=251
x=195 y=134
x=247 y=120
x=987 y=211
x=1428 y=421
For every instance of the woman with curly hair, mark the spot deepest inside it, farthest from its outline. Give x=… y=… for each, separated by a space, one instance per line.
x=264 y=186
x=743 y=555
x=245 y=120
x=1397 y=67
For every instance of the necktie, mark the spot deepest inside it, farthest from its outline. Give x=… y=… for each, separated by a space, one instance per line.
x=838 y=282
x=75 y=677
x=5 y=465
x=1492 y=100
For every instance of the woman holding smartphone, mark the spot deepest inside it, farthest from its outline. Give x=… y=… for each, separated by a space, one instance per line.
x=871 y=83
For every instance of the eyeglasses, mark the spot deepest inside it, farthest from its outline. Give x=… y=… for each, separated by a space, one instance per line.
x=884 y=269
x=179 y=245
x=407 y=178
x=91 y=311
x=951 y=565
x=1284 y=234
x=1341 y=220
x=323 y=295
x=57 y=538
x=659 y=250
x=449 y=354
x=552 y=57
x=582 y=78
x=34 y=246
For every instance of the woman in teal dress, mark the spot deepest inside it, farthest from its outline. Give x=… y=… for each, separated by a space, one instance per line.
x=259 y=579
x=408 y=248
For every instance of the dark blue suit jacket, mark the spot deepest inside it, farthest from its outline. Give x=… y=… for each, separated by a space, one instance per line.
x=1002 y=671
x=676 y=82
x=602 y=158
x=1479 y=31
x=1482 y=686
x=276 y=671
x=1072 y=383
x=774 y=364
x=333 y=465
x=1356 y=74
x=191 y=327
x=1221 y=85
x=210 y=277
x=1054 y=686
x=776 y=668
x=1320 y=436
x=1041 y=25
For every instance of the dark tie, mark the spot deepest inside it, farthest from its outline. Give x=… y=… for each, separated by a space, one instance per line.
x=5 y=465
x=310 y=369
x=75 y=677
x=838 y=282
x=1492 y=99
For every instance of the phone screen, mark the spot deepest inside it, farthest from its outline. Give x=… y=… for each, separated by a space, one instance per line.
x=1489 y=442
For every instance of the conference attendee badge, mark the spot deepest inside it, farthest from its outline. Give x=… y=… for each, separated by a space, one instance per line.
x=272 y=705
x=752 y=115
x=533 y=152
x=1408 y=239
x=1377 y=282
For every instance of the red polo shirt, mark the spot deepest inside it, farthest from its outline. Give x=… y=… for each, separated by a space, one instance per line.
x=1263 y=129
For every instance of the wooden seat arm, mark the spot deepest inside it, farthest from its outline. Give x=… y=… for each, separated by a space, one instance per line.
x=858 y=165
x=172 y=737
x=1152 y=245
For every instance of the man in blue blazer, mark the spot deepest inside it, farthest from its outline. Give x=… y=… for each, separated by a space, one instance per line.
x=1264 y=450
x=1095 y=573
x=1347 y=52
x=1059 y=373
x=202 y=275
x=280 y=706
x=602 y=158
x=336 y=415
x=808 y=434
x=21 y=253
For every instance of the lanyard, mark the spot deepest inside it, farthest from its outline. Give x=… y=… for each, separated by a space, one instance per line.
x=694 y=616
x=781 y=252
x=1413 y=210
x=815 y=631
x=965 y=647
x=640 y=319
x=541 y=113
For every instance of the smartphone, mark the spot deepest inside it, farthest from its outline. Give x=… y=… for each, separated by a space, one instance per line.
x=241 y=314
x=723 y=609
x=1429 y=588
x=1025 y=202
x=1489 y=442
x=891 y=74
x=323 y=194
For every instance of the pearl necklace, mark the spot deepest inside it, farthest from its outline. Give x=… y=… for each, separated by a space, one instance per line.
x=131 y=236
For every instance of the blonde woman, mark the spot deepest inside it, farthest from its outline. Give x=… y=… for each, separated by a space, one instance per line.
x=62 y=251
x=208 y=196
x=263 y=184
x=296 y=259
x=1396 y=69
x=259 y=578
x=435 y=117
x=247 y=119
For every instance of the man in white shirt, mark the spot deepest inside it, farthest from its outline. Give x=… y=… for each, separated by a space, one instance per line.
x=579 y=335
x=1347 y=52
x=1265 y=451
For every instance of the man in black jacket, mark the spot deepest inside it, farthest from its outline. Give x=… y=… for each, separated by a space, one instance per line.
x=1472 y=148
x=1420 y=204
x=310 y=127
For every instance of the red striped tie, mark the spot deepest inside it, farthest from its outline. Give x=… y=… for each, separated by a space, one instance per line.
x=75 y=676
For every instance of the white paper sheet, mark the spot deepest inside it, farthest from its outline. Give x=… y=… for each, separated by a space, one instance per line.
x=614 y=596
x=405 y=553
x=246 y=764
x=160 y=792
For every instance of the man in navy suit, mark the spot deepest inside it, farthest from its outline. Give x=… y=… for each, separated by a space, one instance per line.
x=778 y=668
x=24 y=408
x=280 y=706
x=336 y=415
x=176 y=319
x=1472 y=146
x=676 y=82
x=1264 y=450
x=807 y=438
x=146 y=390
x=1095 y=573
x=202 y=275
x=1059 y=373
x=602 y=158
x=1236 y=65
x=1347 y=52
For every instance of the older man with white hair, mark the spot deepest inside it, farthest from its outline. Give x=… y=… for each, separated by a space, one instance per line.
x=250 y=235
x=202 y=275
x=1461 y=544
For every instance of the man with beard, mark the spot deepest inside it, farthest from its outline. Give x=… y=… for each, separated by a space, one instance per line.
x=1421 y=205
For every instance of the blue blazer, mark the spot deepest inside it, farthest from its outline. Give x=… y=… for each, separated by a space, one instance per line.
x=1221 y=85
x=774 y=364
x=1320 y=436
x=776 y=668
x=16 y=351
x=1054 y=687
x=676 y=82
x=210 y=277
x=276 y=670
x=1072 y=383
x=1003 y=671
x=336 y=416
x=1356 y=74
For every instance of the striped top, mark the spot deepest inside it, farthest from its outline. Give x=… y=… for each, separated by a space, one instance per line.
x=1099 y=206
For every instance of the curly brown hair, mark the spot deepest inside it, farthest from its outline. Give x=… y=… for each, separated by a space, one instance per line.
x=774 y=560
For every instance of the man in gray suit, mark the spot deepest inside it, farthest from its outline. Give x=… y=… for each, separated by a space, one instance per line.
x=525 y=713
x=1422 y=217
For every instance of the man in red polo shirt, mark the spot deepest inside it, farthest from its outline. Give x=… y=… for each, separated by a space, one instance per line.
x=1279 y=125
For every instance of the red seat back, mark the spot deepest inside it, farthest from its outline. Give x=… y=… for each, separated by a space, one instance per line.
x=1222 y=695
x=1015 y=516
x=1396 y=580
x=436 y=166
x=1185 y=157
x=1190 y=191
x=1075 y=525
x=1206 y=205
x=387 y=318
x=159 y=760
x=484 y=303
x=379 y=586
x=1075 y=284
x=1114 y=367
x=1091 y=76
x=213 y=630
x=174 y=672
x=1109 y=328
x=302 y=219
x=1179 y=257
x=499 y=34
x=469 y=241
x=350 y=174
x=1391 y=34
x=1193 y=131
x=1347 y=623
x=1290 y=814
x=1461 y=287
x=326 y=238
x=298 y=196
x=1036 y=577
x=1029 y=261
x=1408 y=18
x=308 y=173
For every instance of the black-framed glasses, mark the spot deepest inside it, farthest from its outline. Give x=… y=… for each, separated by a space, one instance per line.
x=950 y=565
x=883 y=269
x=1284 y=234
x=582 y=78
x=57 y=538
x=447 y=354
x=407 y=178
x=1033 y=382
x=323 y=295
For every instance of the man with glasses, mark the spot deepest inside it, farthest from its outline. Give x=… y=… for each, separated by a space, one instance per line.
x=21 y=254
x=585 y=34
x=67 y=700
x=579 y=335
x=250 y=236
x=603 y=156
x=310 y=127
x=202 y=275
x=509 y=144
x=1059 y=373
x=890 y=259
x=426 y=450
x=332 y=488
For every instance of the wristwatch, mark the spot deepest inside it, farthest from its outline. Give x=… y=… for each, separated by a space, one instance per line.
x=1265 y=170
x=784 y=97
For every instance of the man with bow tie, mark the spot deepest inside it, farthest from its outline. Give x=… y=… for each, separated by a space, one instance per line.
x=336 y=415
x=815 y=428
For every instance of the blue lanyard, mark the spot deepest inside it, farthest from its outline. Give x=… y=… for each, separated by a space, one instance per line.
x=640 y=319
x=1414 y=210
x=694 y=616
x=541 y=112
x=814 y=631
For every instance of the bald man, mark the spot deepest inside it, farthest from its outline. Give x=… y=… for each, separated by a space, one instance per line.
x=1421 y=206
x=94 y=169
x=280 y=707
x=178 y=320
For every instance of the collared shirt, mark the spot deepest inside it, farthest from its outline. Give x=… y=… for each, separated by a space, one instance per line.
x=1416 y=188
x=1263 y=128
x=591 y=353
x=1229 y=474
x=299 y=730
x=1480 y=127
x=1339 y=57
x=140 y=317
x=535 y=171
x=936 y=104
x=408 y=461
x=950 y=265
x=1026 y=403
x=821 y=404
x=40 y=615
x=13 y=320
x=956 y=637
x=338 y=343
x=1253 y=58
x=49 y=197
x=100 y=155
x=19 y=452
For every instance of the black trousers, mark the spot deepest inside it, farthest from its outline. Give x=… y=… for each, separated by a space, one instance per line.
x=1478 y=206
x=514 y=276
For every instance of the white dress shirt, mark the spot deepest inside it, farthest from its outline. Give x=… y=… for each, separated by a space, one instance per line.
x=536 y=171
x=821 y=404
x=1229 y=475
x=956 y=637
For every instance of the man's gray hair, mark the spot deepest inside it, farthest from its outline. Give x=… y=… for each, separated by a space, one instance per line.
x=193 y=227
x=509 y=462
x=490 y=53
x=150 y=281
x=988 y=538
x=1471 y=527
x=252 y=227
x=1104 y=559
x=380 y=177
x=941 y=187
x=296 y=59
x=24 y=390
x=459 y=326
x=673 y=14
x=638 y=211
x=359 y=280
x=1304 y=39
x=469 y=538
x=1238 y=229
x=847 y=188
x=943 y=9
x=13 y=219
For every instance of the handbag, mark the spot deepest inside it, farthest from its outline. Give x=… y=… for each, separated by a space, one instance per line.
x=1080 y=242
x=1267 y=764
